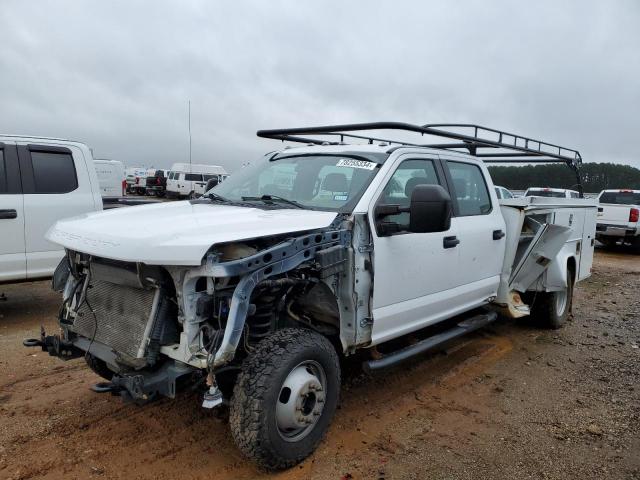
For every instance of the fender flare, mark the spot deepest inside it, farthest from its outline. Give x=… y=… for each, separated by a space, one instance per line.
x=555 y=278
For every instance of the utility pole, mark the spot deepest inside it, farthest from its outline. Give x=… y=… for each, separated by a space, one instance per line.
x=189 y=136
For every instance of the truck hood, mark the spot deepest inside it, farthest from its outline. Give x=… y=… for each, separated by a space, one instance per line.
x=176 y=233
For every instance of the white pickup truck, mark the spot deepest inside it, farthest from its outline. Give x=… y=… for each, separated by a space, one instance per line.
x=257 y=289
x=41 y=181
x=619 y=217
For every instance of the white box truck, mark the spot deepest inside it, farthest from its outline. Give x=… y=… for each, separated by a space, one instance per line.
x=111 y=177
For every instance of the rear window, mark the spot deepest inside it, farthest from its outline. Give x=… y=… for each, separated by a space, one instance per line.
x=470 y=189
x=53 y=172
x=545 y=193
x=620 y=198
x=3 y=174
x=193 y=177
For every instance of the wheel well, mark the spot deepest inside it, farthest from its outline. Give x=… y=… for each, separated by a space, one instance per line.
x=571 y=266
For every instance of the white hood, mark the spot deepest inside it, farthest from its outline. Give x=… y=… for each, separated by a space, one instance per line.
x=177 y=233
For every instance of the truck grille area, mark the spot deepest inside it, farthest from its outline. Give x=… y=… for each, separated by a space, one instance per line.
x=118 y=316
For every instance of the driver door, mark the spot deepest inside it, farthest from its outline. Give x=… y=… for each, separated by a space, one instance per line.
x=415 y=273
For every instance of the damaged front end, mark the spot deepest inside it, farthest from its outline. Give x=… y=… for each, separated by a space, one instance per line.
x=153 y=329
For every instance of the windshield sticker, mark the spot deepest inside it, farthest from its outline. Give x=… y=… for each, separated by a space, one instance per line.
x=340 y=197
x=350 y=162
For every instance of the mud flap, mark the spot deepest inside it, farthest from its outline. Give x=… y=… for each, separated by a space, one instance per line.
x=542 y=250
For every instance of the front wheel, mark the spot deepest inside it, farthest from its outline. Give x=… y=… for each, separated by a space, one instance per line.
x=551 y=309
x=285 y=398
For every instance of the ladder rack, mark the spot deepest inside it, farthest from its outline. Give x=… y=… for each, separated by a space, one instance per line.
x=488 y=144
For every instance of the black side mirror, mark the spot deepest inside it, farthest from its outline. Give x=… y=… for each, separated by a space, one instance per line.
x=212 y=182
x=430 y=209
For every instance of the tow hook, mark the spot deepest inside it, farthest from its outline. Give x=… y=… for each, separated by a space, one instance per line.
x=54 y=345
x=106 y=387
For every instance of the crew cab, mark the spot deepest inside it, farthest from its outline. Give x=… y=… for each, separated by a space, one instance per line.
x=619 y=217
x=551 y=192
x=42 y=180
x=257 y=289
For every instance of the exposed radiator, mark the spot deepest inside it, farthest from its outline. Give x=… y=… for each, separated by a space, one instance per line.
x=124 y=316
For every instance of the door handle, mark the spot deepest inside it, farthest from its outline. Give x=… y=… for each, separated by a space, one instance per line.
x=8 y=214
x=498 y=234
x=450 y=242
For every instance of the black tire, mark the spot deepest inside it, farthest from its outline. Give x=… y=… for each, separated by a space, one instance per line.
x=259 y=392
x=608 y=242
x=551 y=309
x=98 y=366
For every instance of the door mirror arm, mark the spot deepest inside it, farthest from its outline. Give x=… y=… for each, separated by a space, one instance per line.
x=387 y=228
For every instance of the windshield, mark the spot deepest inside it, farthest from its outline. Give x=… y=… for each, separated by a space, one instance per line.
x=620 y=198
x=545 y=193
x=322 y=182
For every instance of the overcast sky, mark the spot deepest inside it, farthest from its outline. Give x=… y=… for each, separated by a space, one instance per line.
x=118 y=75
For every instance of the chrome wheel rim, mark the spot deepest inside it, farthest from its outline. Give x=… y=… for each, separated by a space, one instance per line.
x=561 y=302
x=301 y=401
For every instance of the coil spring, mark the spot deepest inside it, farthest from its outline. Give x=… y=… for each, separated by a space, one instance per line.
x=262 y=321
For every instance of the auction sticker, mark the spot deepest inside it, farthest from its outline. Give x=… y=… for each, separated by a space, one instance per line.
x=353 y=163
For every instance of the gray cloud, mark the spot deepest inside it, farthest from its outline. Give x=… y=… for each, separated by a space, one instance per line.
x=118 y=75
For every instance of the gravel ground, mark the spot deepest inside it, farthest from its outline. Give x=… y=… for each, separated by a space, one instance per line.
x=511 y=401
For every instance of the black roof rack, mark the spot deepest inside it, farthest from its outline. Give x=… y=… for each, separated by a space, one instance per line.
x=488 y=144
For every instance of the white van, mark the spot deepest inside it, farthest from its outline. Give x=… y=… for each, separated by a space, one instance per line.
x=110 y=177
x=186 y=180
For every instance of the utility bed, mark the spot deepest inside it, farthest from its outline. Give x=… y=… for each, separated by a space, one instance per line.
x=542 y=234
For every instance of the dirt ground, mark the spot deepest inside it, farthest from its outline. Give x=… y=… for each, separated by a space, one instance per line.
x=510 y=402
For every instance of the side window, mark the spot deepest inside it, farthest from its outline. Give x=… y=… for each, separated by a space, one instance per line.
x=53 y=172
x=398 y=190
x=506 y=193
x=3 y=173
x=193 y=177
x=470 y=189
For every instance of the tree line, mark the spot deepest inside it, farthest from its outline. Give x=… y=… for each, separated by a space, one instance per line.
x=595 y=176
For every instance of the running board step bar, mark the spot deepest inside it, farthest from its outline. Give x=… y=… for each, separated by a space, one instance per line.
x=431 y=343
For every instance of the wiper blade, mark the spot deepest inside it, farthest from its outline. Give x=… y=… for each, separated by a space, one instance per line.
x=215 y=197
x=274 y=198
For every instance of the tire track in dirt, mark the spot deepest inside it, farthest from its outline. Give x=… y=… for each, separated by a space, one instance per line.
x=434 y=413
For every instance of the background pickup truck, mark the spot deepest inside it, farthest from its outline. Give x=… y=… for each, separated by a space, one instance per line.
x=257 y=295
x=156 y=183
x=43 y=180
x=619 y=217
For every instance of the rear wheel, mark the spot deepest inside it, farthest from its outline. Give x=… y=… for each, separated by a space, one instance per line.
x=551 y=309
x=285 y=398
x=608 y=242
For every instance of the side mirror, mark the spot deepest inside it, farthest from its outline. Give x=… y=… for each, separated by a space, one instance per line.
x=430 y=209
x=212 y=182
